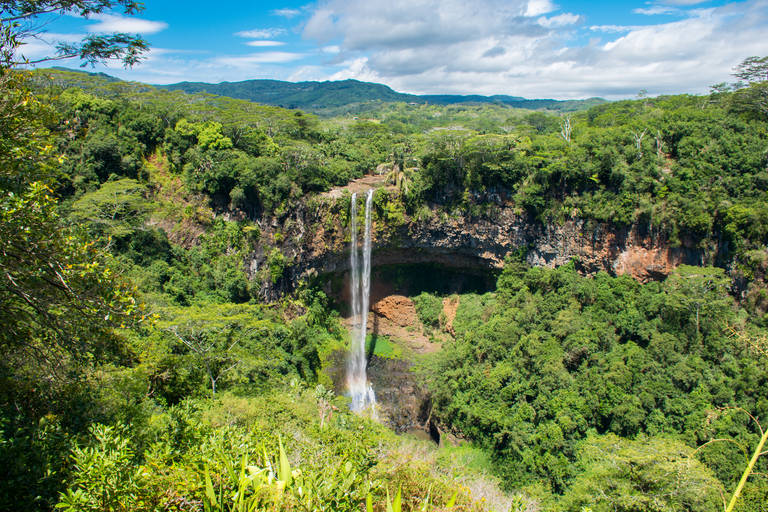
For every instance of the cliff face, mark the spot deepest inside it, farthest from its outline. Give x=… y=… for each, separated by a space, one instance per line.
x=314 y=239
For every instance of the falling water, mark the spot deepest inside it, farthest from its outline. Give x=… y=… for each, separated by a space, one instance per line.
x=360 y=286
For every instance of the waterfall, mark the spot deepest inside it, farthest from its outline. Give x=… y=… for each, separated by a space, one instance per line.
x=360 y=389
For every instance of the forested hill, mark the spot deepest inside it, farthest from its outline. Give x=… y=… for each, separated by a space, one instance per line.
x=319 y=97
x=302 y=95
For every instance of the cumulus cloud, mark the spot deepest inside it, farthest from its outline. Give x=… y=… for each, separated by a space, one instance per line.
x=114 y=23
x=528 y=48
x=537 y=7
x=495 y=46
x=416 y=26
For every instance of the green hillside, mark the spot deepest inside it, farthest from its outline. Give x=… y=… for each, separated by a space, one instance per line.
x=323 y=97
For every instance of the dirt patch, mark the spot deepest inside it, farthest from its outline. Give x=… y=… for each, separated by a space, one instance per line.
x=360 y=185
x=398 y=309
x=395 y=316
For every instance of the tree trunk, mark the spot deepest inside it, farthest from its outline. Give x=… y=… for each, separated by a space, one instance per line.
x=697 y=324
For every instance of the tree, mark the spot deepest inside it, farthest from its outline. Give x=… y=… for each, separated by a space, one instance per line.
x=325 y=406
x=26 y=151
x=752 y=69
x=647 y=474
x=215 y=351
x=759 y=345
x=115 y=209
x=701 y=291
x=565 y=128
x=60 y=300
x=752 y=99
x=19 y=23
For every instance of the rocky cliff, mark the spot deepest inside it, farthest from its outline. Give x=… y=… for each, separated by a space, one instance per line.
x=313 y=240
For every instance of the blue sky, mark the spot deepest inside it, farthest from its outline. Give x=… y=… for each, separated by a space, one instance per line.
x=532 y=48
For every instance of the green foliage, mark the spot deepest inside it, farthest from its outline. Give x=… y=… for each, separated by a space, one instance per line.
x=207 y=134
x=228 y=455
x=60 y=298
x=105 y=476
x=700 y=292
x=20 y=23
x=26 y=149
x=429 y=308
x=646 y=474
x=554 y=355
x=275 y=264
x=382 y=346
x=627 y=162
x=116 y=209
x=590 y=393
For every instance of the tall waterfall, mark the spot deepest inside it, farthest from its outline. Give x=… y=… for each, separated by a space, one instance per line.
x=360 y=286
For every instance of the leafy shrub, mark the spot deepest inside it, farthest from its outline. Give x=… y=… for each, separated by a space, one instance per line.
x=429 y=308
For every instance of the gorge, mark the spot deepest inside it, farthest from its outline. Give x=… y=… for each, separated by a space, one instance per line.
x=313 y=242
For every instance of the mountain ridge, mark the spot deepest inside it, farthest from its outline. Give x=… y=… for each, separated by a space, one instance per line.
x=316 y=96
x=350 y=96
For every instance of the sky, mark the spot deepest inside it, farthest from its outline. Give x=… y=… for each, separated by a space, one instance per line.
x=563 y=49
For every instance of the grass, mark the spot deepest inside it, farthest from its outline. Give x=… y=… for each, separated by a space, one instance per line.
x=382 y=346
x=466 y=456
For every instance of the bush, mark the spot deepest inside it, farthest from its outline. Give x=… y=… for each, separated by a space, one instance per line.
x=429 y=308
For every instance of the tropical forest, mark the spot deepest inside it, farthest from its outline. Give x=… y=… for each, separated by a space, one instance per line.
x=267 y=295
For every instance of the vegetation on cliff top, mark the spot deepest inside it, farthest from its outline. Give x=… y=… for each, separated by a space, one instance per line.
x=692 y=168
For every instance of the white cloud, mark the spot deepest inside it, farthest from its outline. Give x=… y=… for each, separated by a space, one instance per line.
x=685 y=2
x=261 y=33
x=263 y=42
x=612 y=28
x=44 y=45
x=414 y=24
x=259 y=58
x=113 y=23
x=490 y=47
x=538 y=7
x=286 y=13
x=656 y=9
x=561 y=20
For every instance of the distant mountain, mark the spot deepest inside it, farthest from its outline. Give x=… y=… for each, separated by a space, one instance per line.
x=302 y=95
x=321 y=97
x=346 y=96
x=108 y=78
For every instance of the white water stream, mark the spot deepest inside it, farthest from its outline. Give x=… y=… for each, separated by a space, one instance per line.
x=360 y=390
